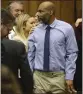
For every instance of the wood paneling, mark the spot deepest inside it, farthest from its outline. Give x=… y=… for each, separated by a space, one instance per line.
x=33 y=5
x=58 y=9
x=67 y=11
x=79 y=8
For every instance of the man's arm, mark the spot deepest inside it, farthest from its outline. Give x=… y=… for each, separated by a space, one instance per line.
x=71 y=56
x=31 y=51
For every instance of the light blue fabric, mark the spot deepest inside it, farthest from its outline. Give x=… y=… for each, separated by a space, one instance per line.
x=63 y=48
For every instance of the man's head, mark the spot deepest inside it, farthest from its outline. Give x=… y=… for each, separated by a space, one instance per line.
x=46 y=11
x=7 y=21
x=15 y=8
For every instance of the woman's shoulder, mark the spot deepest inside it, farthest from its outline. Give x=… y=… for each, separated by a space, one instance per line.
x=17 y=38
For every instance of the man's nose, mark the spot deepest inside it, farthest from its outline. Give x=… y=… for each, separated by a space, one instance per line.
x=20 y=12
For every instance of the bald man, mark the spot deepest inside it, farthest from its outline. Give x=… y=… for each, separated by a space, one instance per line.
x=52 y=53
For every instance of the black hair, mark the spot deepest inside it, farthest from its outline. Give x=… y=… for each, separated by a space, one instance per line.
x=6 y=17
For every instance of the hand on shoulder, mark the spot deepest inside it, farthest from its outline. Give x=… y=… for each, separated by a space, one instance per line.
x=78 y=21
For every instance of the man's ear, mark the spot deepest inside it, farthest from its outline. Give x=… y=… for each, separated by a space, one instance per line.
x=24 y=25
x=51 y=12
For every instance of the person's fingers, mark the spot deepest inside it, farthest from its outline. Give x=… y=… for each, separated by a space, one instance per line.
x=73 y=90
x=69 y=89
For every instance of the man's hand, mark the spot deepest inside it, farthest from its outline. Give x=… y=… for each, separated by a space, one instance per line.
x=70 y=87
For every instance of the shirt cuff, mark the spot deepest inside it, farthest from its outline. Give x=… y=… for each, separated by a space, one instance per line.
x=69 y=76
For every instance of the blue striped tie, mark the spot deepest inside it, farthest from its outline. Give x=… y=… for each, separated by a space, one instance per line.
x=46 y=49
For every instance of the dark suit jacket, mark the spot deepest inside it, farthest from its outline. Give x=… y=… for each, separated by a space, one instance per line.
x=78 y=74
x=15 y=57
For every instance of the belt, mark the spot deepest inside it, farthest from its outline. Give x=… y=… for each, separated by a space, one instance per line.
x=56 y=73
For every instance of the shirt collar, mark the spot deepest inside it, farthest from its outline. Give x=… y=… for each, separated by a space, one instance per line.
x=51 y=25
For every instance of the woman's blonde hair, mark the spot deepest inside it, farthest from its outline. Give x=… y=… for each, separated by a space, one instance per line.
x=20 y=24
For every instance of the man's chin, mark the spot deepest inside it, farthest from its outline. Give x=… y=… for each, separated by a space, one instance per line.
x=43 y=21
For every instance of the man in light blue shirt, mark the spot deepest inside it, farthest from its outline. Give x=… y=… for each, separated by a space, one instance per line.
x=62 y=56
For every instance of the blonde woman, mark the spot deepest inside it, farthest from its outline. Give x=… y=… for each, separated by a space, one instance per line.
x=24 y=24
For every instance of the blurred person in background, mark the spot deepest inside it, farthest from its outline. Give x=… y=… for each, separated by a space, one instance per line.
x=78 y=74
x=13 y=54
x=24 y=25
x=9 y=83
x=15 y=8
